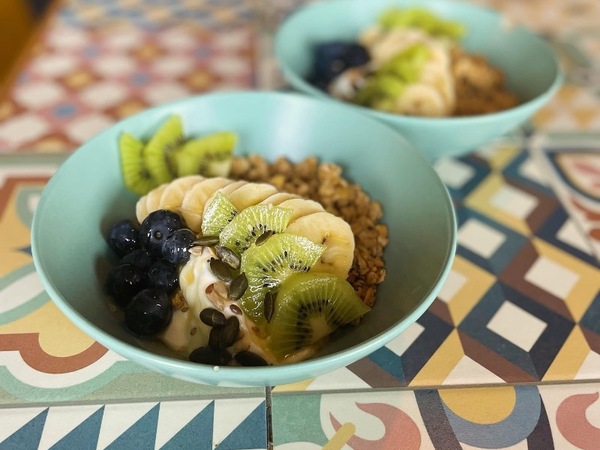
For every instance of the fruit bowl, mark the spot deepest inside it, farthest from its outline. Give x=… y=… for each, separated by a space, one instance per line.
x=529 y=64
x=87 y=194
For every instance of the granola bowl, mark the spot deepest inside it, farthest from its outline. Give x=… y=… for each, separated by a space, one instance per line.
x=87 y=194
x=529 y=66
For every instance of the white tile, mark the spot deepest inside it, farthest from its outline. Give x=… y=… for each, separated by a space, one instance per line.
x=114 y=65
x=590 y=368
x=172 y=66
x=229 y=66
x=177 y=38
x=517 y=325
x=453 y=173
x=164 y=92
x=66 y=38
x=232 y=40
x=467 y=371
x=54 y=65
x=454 y=282
x=123 y=39
x=529 y=169
x=480 y=238
x=514 y=201
x=85 y=127
x=552 y=277
x=571 y=234
x=23 y=128
x=38 y=95
x=104 y=95
x=401 y=343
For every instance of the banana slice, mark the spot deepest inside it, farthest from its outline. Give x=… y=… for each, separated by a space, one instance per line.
x=250 y=194
x=192 y=206
x=149 y=202
x=421 y=99
x=173 y=194
x=333 y=232
x=277 y=198
x=301 y=207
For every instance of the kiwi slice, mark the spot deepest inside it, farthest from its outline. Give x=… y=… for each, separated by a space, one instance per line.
x=219 y=212
x=309 y=307
x=136 y=176
x=267 y=265
x=251 y=223
x=160 y=148
x=209 y=155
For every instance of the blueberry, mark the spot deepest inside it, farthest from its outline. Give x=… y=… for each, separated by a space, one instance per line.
x=333 y=58
x=123 y=282
x=140 y=258
x=163 y=275
x=356 y=55
x=176 y=247
x=123 y=237
x=149 y=312
x=156 y=227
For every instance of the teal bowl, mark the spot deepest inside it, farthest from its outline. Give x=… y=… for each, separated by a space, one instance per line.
x=528 y=62
x=87 y=194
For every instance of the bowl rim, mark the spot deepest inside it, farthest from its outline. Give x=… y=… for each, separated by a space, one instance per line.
x=297 y=81
x=261 y=376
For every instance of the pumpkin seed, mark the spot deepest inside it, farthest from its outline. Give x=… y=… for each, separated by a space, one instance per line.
x=212 y=317
x=247 y=358
x=206 y=241
x=214 y=338
x=229 y=333
x=228 y=256
x=220 y=270
x=206 y=355
x=238 y=286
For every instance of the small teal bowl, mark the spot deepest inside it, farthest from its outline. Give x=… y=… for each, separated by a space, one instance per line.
x=87 y=194
x=529 y=64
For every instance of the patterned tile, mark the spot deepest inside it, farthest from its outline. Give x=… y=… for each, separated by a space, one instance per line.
x=89 y=76
x=203 y=424
x=44 y=358
x=553 y=416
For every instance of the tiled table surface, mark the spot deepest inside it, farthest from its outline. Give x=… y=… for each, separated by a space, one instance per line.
x=508 y=356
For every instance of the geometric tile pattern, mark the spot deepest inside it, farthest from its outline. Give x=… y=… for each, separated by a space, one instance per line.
x=552 y=416
x=43 y=356
x=520 y=310
x=202 y=424
x=88 y=77
x=520 y=291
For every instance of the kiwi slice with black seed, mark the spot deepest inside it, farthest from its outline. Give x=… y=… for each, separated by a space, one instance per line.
x=309 y=307
x=267 y=265
x=159 y=150
x=252 y=222
x=208 y=155
x=136 y=176
x=218 y=213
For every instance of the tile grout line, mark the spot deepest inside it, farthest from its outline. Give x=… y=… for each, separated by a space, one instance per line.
x=269 y=413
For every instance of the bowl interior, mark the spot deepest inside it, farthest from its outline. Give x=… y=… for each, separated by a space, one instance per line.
x=528 y=63
x=87 y=194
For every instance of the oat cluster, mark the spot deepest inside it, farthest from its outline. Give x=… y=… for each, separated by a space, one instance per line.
x=324 y=183
x=480 y=87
